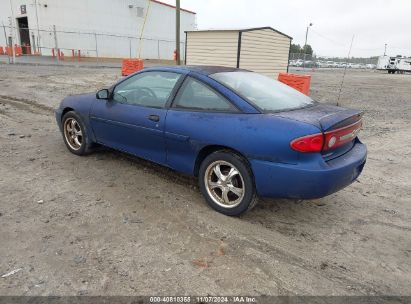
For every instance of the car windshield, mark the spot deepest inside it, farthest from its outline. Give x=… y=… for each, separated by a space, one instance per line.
x=267 y=94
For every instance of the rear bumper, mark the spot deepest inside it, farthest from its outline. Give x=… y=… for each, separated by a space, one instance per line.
x=315 y=179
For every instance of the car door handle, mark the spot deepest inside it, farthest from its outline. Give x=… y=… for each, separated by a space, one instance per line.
x=154 y=118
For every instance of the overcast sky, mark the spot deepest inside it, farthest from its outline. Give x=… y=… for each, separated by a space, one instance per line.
x=373 y=22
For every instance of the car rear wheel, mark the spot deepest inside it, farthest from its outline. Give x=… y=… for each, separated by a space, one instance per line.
x=226 y=181
x=75 y=134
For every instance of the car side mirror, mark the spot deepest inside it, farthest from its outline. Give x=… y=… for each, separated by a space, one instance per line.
x=103 y=94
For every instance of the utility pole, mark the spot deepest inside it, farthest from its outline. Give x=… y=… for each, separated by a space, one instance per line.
x=38 y=28
x=305 y=44
x=385 y=49
x=5 y=39
x=95 y=40
x=178 y=62
x=12 y=32
x=56 y=45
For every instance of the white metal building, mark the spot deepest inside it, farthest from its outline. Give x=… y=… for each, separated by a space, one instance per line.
x=104 y=28
x=263 y=50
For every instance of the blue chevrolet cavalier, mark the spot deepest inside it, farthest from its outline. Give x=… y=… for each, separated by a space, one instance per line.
x=242 y=134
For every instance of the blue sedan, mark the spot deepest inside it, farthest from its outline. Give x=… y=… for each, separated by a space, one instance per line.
x=242 y=134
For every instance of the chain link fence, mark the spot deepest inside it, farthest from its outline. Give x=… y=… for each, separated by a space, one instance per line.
x=64 y=45
x=314 y=61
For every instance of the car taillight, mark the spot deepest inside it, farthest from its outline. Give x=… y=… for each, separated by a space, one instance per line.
x=338 y=137
x=310 y=143
x=326 y=141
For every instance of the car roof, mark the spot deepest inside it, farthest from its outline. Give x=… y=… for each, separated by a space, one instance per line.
x=201 y=69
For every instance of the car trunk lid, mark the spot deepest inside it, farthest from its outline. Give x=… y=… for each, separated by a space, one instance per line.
x=325 y=117
x=339 y=126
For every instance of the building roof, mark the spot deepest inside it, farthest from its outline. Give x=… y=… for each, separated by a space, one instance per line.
x=242 y=30
x=172 y=6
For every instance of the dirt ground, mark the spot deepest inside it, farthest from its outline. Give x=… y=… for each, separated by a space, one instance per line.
x=111 y=224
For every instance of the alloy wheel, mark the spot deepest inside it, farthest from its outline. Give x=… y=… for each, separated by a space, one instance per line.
x=224 y=184
x=73 y=133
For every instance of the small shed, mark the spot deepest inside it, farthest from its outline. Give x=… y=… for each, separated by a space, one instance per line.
x=263 y=50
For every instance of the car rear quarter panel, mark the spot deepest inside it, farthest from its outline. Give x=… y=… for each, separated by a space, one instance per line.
x=255 y=136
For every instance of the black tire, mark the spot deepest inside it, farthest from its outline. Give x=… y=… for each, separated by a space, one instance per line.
x=86 y=145
x=244 y=180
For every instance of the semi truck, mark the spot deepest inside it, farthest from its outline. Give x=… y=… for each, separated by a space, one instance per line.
x=394 y=64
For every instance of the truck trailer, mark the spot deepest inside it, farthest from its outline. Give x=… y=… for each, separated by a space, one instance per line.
x=394 y=64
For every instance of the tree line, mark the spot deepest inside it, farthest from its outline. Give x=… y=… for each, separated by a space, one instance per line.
x=296 y=48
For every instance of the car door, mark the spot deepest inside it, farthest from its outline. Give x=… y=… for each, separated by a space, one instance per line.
x=133 y=118
x=199 y=116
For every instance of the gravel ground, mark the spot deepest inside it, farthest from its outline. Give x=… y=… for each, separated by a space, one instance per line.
x=112 y=224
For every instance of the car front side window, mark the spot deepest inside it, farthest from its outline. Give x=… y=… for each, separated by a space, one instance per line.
x=149 y=89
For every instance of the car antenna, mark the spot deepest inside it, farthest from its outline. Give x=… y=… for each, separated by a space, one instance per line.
x=345 y=70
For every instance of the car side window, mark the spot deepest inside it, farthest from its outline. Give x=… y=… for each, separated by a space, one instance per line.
x=149 y=89
x=195 y=95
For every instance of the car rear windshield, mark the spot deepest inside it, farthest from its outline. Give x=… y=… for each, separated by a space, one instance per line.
x=266 y=94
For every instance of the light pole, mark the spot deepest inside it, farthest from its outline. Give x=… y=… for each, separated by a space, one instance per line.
x=385 y=50
x=305 y=44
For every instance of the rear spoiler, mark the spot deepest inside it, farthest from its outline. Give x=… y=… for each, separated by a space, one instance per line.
x=323 y=116
x=340 y=119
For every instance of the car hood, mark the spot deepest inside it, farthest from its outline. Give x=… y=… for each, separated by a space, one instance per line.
x=85 y=96
x=76 y=101
x=323 y=116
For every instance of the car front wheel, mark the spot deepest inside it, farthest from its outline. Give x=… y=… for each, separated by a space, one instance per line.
x=226 y=181
x=75 y=134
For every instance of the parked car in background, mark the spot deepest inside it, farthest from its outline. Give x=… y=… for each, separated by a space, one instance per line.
x=329 y=64
x=353 y=65
x=242 y=134
x=371 y=66
x=342 y=65
x=309 y=64
x=299 y=63
x=319 y=64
